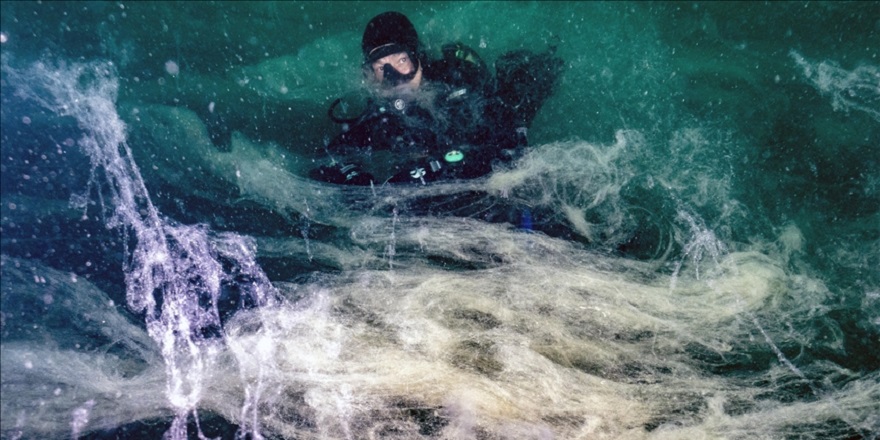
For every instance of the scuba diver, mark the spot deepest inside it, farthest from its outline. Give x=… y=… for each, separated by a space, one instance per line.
x=434 y=120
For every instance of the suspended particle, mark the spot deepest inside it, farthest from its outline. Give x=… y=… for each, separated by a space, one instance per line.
x=172 y=68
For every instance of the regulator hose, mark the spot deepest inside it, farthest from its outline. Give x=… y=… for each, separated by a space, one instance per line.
x=339 y=120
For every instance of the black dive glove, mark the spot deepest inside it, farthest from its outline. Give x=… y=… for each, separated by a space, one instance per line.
x=342 y=175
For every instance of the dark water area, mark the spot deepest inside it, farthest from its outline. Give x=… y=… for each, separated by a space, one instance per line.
x=690 y=248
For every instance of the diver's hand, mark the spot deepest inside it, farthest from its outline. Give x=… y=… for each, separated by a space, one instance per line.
x=342 y=174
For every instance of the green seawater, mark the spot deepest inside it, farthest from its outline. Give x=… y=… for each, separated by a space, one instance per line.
x=705 y=261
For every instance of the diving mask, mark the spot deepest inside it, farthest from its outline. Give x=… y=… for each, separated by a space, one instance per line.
x=391 y=77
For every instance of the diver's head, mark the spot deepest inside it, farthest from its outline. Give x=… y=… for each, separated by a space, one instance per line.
x=391 y=51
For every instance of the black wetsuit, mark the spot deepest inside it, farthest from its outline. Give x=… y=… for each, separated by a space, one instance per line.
x=469 y=123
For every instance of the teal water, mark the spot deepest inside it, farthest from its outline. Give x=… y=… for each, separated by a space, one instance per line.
x=704 y=261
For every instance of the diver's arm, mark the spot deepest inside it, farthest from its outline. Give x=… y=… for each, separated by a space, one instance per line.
x=343 y=147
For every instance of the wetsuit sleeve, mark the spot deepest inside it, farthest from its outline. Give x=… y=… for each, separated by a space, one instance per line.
x=352 y=138
x=352 y=141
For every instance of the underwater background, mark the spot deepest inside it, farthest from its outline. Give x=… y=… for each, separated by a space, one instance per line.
x=690 y=248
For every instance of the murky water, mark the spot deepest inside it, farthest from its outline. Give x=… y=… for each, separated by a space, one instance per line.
x=690 y=248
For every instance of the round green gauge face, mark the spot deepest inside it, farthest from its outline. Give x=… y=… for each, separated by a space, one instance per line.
x=454 y=156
